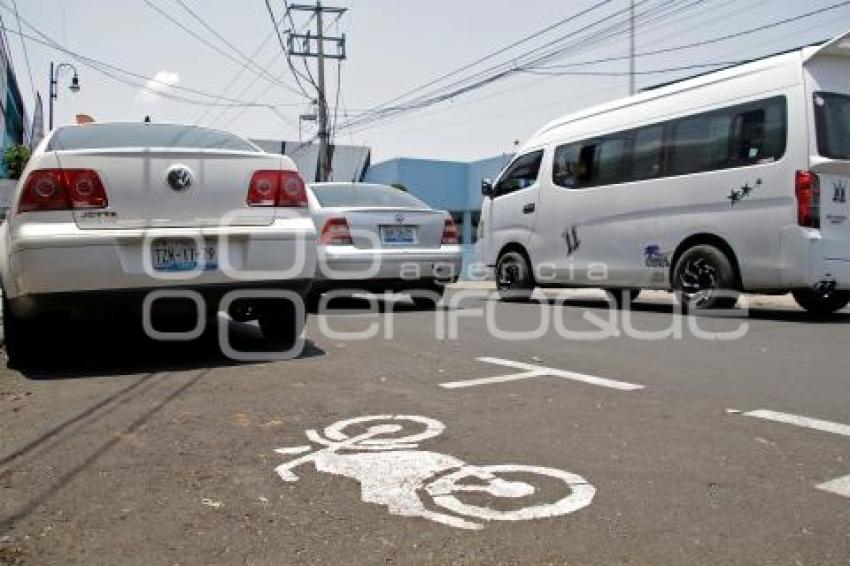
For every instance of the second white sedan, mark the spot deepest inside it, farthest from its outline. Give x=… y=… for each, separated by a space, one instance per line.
x=376 y=238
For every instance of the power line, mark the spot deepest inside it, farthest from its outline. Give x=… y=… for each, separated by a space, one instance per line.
x=505 y=69
x=242 y=60
x=716 y=39
x=284 y=50
x=99 y=66
x=26 y=53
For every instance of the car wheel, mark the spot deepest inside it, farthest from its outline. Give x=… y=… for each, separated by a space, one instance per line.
x=18 y=336
x=514 y=279
x=822 y=302
x=704 y=278
x=280 y=321
x=429 y=297
x=623 y=297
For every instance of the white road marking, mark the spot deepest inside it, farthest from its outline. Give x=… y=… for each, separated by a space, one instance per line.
x=410 y=482
x=805 y=422
x=839 y=486
x=532 y=371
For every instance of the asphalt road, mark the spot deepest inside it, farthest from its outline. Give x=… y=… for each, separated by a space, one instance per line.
x=118 y=450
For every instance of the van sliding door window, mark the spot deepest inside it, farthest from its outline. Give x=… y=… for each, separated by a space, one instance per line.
x=521 y=174
x=832 y=116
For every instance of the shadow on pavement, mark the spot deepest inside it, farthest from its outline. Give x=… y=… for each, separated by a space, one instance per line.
x=755 y=312
x=73 y=350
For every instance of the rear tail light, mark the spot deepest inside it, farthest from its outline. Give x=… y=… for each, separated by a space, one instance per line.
x=807 y=188
x=277 y=188
x=335 y=232
x=62 y=189
x=450 y=234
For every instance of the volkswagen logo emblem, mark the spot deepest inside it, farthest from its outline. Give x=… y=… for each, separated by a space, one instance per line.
x=399 y=218
x=180 y=178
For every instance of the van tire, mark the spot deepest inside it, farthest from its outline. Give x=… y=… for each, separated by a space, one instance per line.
x=18 y=337
x=822 y=303
x=514 y=280
x=280 y=321
x=700 y=273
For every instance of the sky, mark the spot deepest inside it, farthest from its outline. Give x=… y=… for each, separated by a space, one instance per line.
x=393 y=46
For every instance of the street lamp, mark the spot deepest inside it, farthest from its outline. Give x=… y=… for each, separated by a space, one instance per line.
x=54 y=84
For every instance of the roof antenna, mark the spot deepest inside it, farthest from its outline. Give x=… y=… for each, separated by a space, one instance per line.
x=147 y=119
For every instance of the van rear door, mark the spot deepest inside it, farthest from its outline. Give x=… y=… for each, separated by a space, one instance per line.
x=827 y=76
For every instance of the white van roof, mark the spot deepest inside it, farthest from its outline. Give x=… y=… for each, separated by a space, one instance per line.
x=839 y=46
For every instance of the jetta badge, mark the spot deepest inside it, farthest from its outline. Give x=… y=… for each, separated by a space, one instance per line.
x=179 y=178
x=399 y=218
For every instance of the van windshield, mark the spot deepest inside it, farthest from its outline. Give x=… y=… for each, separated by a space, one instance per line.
x=832 y=115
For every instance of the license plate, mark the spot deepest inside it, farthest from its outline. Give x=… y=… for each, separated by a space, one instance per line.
x=183 y=255
x=398 y=234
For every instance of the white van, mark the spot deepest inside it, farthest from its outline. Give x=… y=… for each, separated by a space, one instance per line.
x=731 y=181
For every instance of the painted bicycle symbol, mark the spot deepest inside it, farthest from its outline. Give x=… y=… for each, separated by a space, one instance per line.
x=381 y=452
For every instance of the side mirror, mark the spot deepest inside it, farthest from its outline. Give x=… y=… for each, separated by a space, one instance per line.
x=487 y=188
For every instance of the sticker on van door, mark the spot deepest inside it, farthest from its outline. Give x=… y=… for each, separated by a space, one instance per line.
x=655 y=258
x=572 y=240
x=840 y=194
x=741 y=193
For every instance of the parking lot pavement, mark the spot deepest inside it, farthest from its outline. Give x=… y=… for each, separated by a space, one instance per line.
x=446 y=445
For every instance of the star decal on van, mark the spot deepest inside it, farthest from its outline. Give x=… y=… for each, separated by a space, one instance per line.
x=739 y=194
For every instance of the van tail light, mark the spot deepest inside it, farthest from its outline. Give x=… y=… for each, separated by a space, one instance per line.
x=335 y=232
x=807 y=188
x=277 y=188
x=62 y=189
x=450 y=234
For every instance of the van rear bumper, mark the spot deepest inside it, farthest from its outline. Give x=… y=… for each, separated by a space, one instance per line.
x=805 y=262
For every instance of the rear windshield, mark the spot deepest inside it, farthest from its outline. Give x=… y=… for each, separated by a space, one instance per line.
x=832 y=115
x=365 y=195
x=104 y=136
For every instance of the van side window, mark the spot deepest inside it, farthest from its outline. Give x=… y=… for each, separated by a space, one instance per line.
x=648 y=153
x=738 y=136
x=569 y=169
x=521 y=174
x=700 y=143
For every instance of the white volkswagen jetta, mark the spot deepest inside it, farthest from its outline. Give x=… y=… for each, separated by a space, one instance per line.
x=105 y=214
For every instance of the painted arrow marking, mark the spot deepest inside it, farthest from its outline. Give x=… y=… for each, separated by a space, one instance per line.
x=838 y=486
x=531 y=371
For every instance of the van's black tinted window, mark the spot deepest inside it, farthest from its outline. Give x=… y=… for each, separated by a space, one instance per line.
x=739 y=136
x=104 y=136
x=832 y=115
x=521 y=174
x=648 y=153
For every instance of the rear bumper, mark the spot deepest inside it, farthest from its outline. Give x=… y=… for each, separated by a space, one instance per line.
x=65 y=259
x=132 y=300
x=352 y=265
x=806 y=263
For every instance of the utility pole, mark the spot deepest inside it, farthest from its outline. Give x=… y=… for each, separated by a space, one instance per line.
x=320 y=54
x=632 y=65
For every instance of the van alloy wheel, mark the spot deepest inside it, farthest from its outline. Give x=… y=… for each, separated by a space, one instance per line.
x=698 y=281
x=513 y=277
x=705 y=278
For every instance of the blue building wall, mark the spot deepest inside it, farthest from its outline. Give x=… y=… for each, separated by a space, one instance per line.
x=446 y=185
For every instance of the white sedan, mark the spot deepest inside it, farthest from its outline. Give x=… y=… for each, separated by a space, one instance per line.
x=105 y=214
x=377 y=238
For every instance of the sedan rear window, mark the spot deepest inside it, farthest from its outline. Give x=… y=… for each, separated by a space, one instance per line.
x=832 y=115
x=103 y=136
x=331 y=196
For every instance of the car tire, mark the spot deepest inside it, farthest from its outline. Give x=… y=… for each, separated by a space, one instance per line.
x=623 y=297
x=704 y=278
x=429 y=297
x=281 y=322
x=822 y=303
x=18 y=336
x=514 y=279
